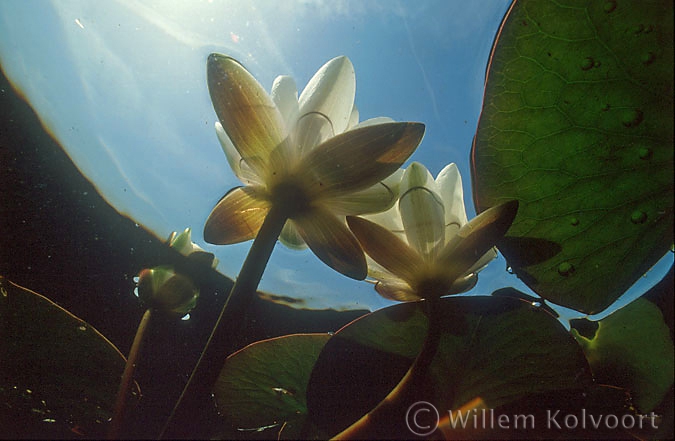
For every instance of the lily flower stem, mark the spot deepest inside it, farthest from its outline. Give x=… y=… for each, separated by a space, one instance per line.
x=182 y=422
x=128 y=377
x=385 y=416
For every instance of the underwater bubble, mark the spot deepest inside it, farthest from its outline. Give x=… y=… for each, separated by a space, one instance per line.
x=4 y=292
x=186 y=317
x=648 y=58
x=82 y=328
x=136 y=292
x=587 y=63
x=49 y=420
x=536 y=304
x=574 y=221
x=509 y=269
x=645 y=153
x=638 y=28
x=632 y=118
x=609 y=6
x=638 y=217
x=565 y=269
x=135 y=279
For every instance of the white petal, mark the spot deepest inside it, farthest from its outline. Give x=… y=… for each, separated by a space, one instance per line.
x=332 y=242
x=237 y=217
x=291 y=237
x=285 y=95
x=396 y=290
x=375 y=199
x=247 y=113
x=237 y=164
x=373 y=121
x=359 y=158
x=331 y=92
x=422 y=211
x=483 y=261
x=449 y=183
x=386 y=249
x=353 y=118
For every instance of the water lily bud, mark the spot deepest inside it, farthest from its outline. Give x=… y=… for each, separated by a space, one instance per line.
x=183 y=244
x=163 y=289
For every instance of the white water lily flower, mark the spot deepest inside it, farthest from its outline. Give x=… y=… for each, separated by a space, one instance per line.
x=307 y=155
x=424 y=246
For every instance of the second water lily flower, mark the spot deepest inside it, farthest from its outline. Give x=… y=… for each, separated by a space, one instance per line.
x=424 y=247
x=306 y=157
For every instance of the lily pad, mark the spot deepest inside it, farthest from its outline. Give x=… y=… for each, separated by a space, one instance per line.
x=632 y=349
x=263 y=385
x=577 y=125
x=497 y=349
x=60 y=375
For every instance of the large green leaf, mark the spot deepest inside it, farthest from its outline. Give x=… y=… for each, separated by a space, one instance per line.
x=498 y=349
x=577 y=124
x=263 y=385
x=632 y=349
x=60 y=375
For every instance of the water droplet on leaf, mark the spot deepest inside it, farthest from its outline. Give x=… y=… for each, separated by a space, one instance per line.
x=645 y=153
x=648 y=58
x=610 y=6
x=638 y=217
x=587 y=63
x=632 y=118
x=565 y=269
x=574 y=221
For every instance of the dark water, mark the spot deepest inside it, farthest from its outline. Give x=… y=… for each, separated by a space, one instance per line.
x=58 y=237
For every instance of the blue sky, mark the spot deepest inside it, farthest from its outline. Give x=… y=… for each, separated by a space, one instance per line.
x=122 y=86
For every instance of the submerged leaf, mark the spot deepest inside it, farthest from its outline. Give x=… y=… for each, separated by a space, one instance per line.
x=632 y=349
x=577 y=125
x=498 y=349
x=263 y=385
x=60 y=375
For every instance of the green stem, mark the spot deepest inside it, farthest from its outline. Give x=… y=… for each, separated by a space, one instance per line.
x=128 y=377
x=181 y=423
x=390 y=412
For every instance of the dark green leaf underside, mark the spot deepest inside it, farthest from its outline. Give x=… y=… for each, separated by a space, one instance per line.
x=263 y=385
x=498 y=349
x=632 y=349
x=60 y=374
x=577 y=125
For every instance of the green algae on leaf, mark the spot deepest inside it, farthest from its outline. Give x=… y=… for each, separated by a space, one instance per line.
x=60 y=375
x=577 y=125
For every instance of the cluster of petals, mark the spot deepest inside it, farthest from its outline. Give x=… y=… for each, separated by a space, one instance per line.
x=307 y=156
x=424 y=246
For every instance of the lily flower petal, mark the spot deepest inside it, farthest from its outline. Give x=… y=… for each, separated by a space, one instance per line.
x=353 y=118
x=399 y=291
x=247 y=113
x=386 y=249
x=237 y=164
x=237 y=217
x=449 y=183
x=291 y=237
x=476 y=238
x=422 y=211
x=332 y=242
x=360 y=158
x=285 y=95
x=327 y=101
x=379 y=197
x=373 y=121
